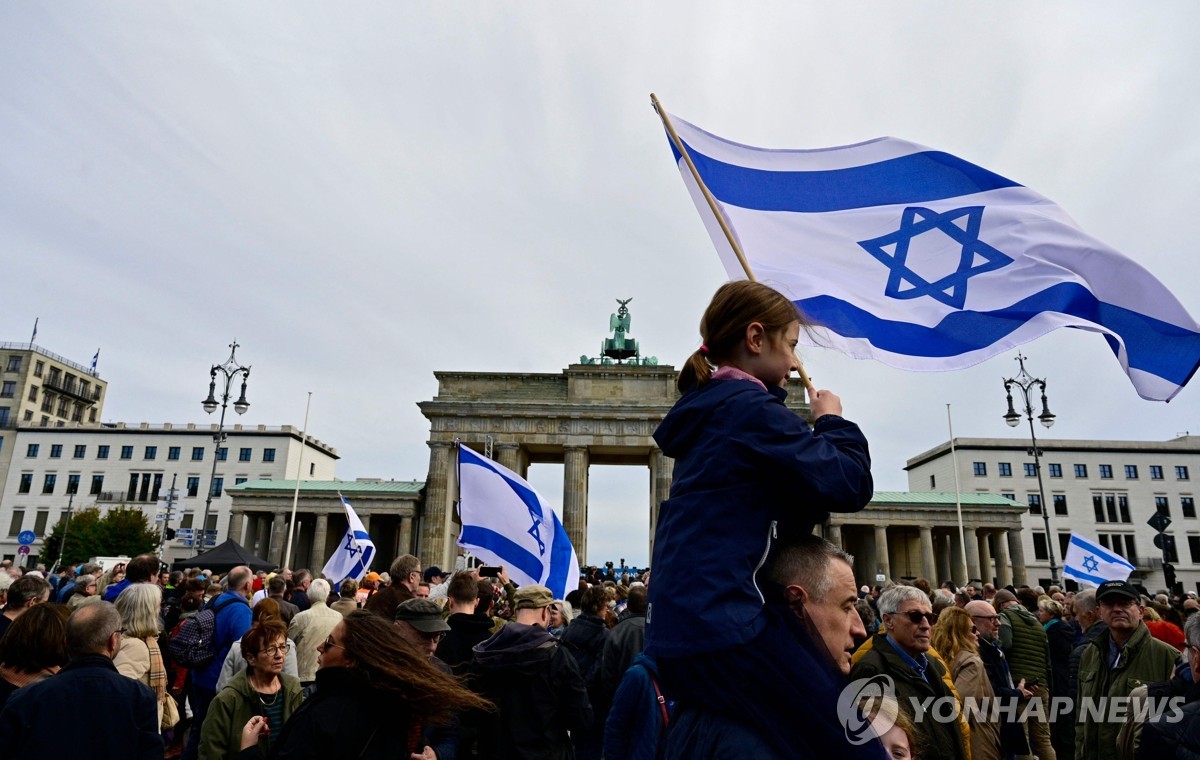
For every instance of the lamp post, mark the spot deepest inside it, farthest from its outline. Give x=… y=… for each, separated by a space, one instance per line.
x=1027 y=385
x=229 y=372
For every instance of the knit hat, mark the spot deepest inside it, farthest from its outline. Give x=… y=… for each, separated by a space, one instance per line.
x=1003 y=597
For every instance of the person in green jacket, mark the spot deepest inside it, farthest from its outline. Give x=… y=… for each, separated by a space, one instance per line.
x=262 y=689
x=1113 y=665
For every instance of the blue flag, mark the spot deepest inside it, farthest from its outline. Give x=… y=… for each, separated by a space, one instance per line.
x=924 y=261
x=1090 y=564
x=506 y=522
x=353 y=555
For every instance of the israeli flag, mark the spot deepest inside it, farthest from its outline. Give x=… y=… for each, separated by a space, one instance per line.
x=1090 y=564
x=923 y=261
x=506 y=522
x=352 y=558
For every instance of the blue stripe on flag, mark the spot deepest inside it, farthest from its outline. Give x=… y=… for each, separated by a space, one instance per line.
x=513 y=553
x=1153 y=346
x=1093 y=579
x=1100 y=552
x=915 y=178
x=364 y=559
x=561 y=573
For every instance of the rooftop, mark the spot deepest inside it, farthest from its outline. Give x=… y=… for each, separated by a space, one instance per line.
x=943 y=497
x=333 y=486
x=1184 y=444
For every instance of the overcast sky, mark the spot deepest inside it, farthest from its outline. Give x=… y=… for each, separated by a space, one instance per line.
x=365 y=193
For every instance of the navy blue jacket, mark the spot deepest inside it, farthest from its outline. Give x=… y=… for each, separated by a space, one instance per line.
x=748 y=470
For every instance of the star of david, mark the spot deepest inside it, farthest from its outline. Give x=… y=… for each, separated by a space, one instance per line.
x=350 y=547
x=962 y=226
x=535 y=531
x=1090 y=564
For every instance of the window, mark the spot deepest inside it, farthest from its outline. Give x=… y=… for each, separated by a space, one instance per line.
x=131 y=494
x=1064 y=540
x=312 y=468
x=1081 y=470
x=64 y=406
x=1162 y=506
x=151 y=452
x=26 y=482
x=8 y=389
x=1121 y=544
x=1106 y=472
x=980 y=469
x=1123 y=507
x=932 y=482
x=48 y=483
x=40 y=520
x=32 y=450
x=28 y=415
x=38 y=368
x=56 y=451
x=268 y=455
x=14 y=364
x=1194 y=548
x=18 y=521
x=1172 y=550
x=1181 y=473
x=102 y=452
x=127 y=452
x=197 y=453
x=186 y=520
x=157 y=486
x=4 y=411
x=243 y=455
x=97 y=484
x=1035 y=504
x=1131 y=472
x=80 y=451
x=1187 y=505
x=33 y=389
x=1005 y=469
x=222 y=454
x=218 y=486
x=48 y=402
x=1156 y=472
x=1055 y=470
x=193 y=486
x=1030 y=470
x=238 y=481
x=73 y=483
x=1111 y=508
x=1060 y=503
x=1040 y=550
x=173 y=453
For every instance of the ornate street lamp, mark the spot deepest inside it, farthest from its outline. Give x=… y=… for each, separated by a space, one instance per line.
x=229 y=372
x=1027 y=387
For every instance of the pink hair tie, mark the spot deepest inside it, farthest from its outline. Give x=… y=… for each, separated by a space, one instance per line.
x=703 y=349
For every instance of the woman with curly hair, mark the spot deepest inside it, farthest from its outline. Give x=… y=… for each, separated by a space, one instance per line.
x=956 y=639
x=374 y=695
x=33 y=648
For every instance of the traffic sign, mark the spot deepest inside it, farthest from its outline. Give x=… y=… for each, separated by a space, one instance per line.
x=26 y=537
x=1159 y=521
x=22 y=549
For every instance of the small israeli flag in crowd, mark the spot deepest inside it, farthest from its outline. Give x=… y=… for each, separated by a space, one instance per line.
x=506 y=522
x=1090 y=564
x=353 y=556
x=924 y=261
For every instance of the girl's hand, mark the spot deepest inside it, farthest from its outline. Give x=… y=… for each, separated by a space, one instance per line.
x=825 y=402
x=254 y=728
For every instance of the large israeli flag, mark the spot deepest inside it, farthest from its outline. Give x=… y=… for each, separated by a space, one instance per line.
x=506 y=522
x=1090 y=564
x=923 y=261
x=352 y=558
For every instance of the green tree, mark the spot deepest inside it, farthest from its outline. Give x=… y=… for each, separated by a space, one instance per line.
x=120 y=531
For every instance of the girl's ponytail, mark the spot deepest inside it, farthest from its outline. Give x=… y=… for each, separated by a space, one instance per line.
x=696 y=371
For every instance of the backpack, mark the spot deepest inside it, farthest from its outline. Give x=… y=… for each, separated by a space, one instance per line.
x=194 y=645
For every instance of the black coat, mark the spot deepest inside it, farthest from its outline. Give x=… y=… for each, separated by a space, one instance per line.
x=465 y=632
x=1012 y=733
x=121 y=719
x=1165 y=738
x=1061 y=639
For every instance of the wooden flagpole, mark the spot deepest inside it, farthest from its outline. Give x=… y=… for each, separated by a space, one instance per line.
x=712 y=205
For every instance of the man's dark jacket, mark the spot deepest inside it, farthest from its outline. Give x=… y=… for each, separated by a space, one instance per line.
x=455 y=648
x=1171 y=736
x=385 y=601
x=584 y=639
x=538 y=692
x=1012 y=733
x=624 y=644
x=121 y=719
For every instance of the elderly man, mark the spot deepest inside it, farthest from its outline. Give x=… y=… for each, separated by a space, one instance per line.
x=987 y=622
x=420 y=620
x=311 y=627
x=121 y=715
x=1112 y=665
x=406 y=576
x=898 y=651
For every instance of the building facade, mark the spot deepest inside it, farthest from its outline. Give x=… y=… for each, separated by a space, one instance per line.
x=1106 y=490
x=109 y=465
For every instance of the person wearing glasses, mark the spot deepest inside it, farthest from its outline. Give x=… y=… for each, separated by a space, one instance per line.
x=261 y=690
x=956 y=638
x=987 y=621
x=235 y=663
x=420 y=622
x=900 y=650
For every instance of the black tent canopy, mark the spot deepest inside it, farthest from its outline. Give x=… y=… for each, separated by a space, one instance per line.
x=223 y=558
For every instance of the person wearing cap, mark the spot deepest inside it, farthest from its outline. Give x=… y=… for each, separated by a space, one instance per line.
x=434 y=575
x=538 y=691
x=420 y=623
x=1113 y=664
x=1028 y=651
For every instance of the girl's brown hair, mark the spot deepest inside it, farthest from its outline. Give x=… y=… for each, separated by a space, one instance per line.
x=734 y=306
x=380 y=652
x=952 y=634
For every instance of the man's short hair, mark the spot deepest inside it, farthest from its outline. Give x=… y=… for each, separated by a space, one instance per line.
x=318 y=591
x=143 y=568
x=593 y=600
x=89 y=628
x=485 y=597
x=1191 y=630
x=348 y=589
x=300 y=576
x=636 y=601
x=25 y=588
x=92 y=568
x=890 y=600
x=1085 y=601
x=805 y=562
x=463 y=588
x=402 y=567
x=276 y=585
x=238 y=578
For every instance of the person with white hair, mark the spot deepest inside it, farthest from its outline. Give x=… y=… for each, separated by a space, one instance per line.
x=139 y=657
x=311 y=627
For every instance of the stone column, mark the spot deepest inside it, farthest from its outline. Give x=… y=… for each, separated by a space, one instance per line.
x=320 y=539
x=236 y=523
x=985 y=556
x=252 y=533
x=1003 y=568
x=834 y=534
x=365 y=518
x=575 y=492
x=406 y=530
x=943 y=557
x=661 y=469
x=882 y=563
x=972 y=547
x=435 y=527
x=1016 y=550
x=278 y=538
x=509 y=455
x=928 y=563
